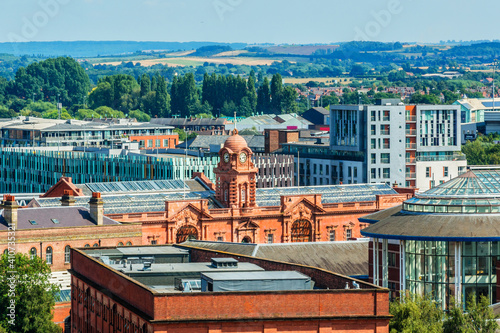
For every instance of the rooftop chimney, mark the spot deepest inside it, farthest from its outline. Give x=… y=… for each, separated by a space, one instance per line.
x=10 y=207
x=68 y=199
x=96 y=208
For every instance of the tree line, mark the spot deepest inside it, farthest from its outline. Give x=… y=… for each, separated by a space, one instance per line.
x=37 y=89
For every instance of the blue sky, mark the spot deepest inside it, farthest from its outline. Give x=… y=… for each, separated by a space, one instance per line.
x=250 y=21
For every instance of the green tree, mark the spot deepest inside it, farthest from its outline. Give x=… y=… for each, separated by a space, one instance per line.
x=478 y=317
x=289 y=100
x=276 y=93
x=107 y=112
x=424 y=99
x=120 y=92
x=34 y=296
x=85 y=113
x=54 y=114
x=162 y=98
x=139 y=116
x=264 y=97
x=415 y=314
x=145 y=84
x=6 y=113
x=50 y=80
x=182 y=134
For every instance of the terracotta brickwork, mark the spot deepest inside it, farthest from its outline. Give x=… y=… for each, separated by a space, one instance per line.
x=59 y=238
x=130 y=307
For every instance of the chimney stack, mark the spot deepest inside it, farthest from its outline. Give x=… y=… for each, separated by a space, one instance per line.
x=10 y=207
x=96 y=208
x=68 y=199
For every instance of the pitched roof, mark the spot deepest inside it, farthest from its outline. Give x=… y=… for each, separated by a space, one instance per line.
x=347 y=258
x=54 y=217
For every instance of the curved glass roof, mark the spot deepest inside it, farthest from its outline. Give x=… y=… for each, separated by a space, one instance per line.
x=474 y=192
x=472 y=183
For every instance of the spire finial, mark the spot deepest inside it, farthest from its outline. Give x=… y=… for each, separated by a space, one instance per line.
x=235 y=122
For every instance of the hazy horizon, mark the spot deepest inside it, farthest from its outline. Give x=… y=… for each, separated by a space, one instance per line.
x=247 y=21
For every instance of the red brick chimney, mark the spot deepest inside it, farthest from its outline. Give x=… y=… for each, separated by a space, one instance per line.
x=96 y=208
x=68 y=199
x=10 y=207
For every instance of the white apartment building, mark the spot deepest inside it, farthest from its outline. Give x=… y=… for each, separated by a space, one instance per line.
x=410 y=145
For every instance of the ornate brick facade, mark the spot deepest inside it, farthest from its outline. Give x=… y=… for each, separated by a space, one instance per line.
x=298 y=218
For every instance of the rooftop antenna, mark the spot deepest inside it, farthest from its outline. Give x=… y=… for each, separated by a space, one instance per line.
x=235 y=120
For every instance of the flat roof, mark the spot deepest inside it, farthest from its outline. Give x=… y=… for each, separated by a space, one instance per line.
x=249 y=276
x=176 y=268
x=135 y=251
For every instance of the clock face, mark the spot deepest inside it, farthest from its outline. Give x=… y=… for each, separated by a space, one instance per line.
x=226 y=157
x=243 y=157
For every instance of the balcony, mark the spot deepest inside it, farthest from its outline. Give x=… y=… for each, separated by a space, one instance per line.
x=411 y=146
x=411 y=132
x=411 y=175
x=411 y=160
x=441 y=158
x=385 y=132
x=411 y=118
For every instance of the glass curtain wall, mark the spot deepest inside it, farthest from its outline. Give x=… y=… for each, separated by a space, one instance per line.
x=430 y=268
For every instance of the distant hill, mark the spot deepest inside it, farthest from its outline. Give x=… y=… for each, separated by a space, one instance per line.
x=80 y=49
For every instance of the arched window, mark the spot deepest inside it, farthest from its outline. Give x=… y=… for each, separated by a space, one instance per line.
x=185 y=233
x=129 y=243
x=87 y=245
x=67 y=257
x=243 y=196
x=48 y=255
x=32 y=253
x=120 y=244
x=246 y=239
x=95 y=245
x=301 y=231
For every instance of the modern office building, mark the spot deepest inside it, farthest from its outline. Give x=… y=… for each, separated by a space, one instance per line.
x=410 y=145
x=32 y=131
x=35 y=170
x=154 y=289
x=444 y=241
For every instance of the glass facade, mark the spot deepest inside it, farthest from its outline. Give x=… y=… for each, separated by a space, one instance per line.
x=430 y=268
x=28 y=171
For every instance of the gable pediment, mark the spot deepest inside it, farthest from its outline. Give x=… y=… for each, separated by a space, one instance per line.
x=301 y=207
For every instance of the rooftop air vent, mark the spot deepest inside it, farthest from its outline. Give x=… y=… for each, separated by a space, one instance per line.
x=224 y=263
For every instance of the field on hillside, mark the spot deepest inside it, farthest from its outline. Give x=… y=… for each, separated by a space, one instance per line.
x=299 y=49
x=197 y=61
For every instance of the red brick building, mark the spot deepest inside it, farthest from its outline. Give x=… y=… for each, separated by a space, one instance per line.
x=106 y=298
x=321 y=213
x=234 y=210
x=50 y=233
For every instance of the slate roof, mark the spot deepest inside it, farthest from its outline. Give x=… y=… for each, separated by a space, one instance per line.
x=44 y=217
x=330 y=193
x=204 y=141
x=348 y=258
x=189 y=122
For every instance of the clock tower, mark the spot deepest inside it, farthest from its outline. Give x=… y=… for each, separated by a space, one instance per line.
x=235 y=174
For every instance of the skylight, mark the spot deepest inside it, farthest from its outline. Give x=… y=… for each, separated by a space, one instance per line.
x=33 y=222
